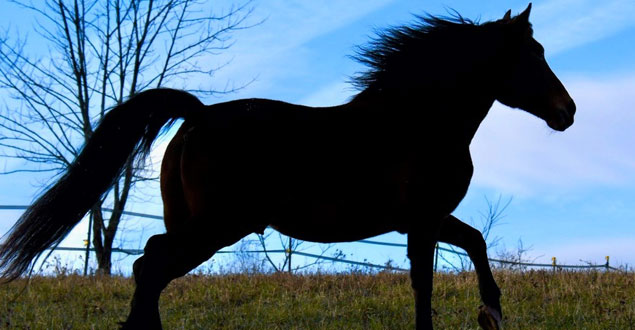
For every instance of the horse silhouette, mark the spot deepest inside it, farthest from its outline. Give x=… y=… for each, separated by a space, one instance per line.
x=394 y=158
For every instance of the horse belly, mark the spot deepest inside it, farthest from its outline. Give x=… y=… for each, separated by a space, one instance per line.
x=330 y=233
x=331 y=221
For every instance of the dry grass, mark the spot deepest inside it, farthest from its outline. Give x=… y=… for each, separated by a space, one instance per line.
x=531 y=300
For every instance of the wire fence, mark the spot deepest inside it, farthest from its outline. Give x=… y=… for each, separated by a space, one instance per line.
x=289 y=252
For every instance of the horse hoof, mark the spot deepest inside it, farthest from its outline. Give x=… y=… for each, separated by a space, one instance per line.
x=489 y=318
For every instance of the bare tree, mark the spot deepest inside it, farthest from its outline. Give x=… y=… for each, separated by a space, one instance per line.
x=100 y=53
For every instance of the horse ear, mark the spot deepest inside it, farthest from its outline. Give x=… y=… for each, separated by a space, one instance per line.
x=508 y=16
x=524 y=16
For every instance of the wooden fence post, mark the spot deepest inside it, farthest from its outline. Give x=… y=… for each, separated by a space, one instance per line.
x=436 y=256
x=289 y=251
x=88 y=238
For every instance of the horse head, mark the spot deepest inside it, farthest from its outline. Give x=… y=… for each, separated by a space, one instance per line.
x=526 y=80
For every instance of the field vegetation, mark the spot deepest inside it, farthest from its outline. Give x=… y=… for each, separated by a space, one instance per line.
x=356 y=300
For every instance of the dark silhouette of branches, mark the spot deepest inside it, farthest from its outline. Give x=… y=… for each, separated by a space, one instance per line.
x=488 y=219
x=291 y=245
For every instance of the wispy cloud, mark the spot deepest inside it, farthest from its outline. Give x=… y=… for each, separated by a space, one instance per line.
x=564 y=24
x=275 y=48
x=520 y=155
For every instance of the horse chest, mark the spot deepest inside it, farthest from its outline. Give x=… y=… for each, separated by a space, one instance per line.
x=432 y=186
x=433 y=171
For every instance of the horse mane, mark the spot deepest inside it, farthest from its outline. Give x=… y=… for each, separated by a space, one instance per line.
x=391 y=48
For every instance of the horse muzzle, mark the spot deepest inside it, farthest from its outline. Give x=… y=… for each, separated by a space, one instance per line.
x=563 y=117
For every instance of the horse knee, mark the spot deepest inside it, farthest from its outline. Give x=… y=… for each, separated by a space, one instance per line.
x=156 y=244
x=475 y=239
x=158 y=259
x=136 y=268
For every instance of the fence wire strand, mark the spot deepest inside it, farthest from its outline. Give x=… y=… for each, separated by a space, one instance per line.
x=332 y=259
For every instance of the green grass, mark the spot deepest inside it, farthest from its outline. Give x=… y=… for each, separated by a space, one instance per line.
x=531 y=300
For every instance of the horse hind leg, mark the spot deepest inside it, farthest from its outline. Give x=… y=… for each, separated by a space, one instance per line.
x=192 y=238
x=458 y=233
x=196 y=230
x=169 y=256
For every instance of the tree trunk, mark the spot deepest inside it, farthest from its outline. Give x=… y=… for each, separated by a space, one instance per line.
x=104 y=235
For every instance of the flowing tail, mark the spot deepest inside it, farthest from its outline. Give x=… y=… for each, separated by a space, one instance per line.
x=126 y=131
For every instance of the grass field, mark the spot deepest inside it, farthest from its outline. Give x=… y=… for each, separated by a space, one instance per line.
x=531 y=300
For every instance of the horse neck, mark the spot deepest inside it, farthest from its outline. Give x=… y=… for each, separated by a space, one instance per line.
x=451 y=114
x=449 y=90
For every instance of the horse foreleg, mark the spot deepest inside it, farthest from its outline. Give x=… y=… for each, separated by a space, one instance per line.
x=169 y=256
x=421 y=245
x=458 y=233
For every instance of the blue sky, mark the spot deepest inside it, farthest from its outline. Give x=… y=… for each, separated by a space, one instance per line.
x=573 y=193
